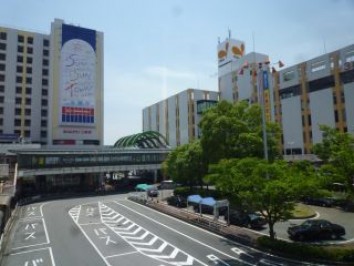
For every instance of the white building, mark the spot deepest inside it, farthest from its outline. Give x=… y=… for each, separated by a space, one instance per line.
x=178 y=116
x=51 y=86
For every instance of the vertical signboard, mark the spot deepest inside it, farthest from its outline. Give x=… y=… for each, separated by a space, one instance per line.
x=77 y=87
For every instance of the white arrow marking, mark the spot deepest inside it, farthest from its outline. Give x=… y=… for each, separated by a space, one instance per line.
x=216 y=260
x=240 y=251
x=30 y=235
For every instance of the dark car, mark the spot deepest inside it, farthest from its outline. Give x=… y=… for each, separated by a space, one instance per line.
x=152 y=192
x=177 y=201
x=324 y=202
x=316 y=230
x=245 y=219
x=207 y=209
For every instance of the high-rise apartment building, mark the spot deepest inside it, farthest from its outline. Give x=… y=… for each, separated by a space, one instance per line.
x=178 y=116
x=51 y=86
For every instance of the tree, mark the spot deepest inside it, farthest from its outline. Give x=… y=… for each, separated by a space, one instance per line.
x=269 y=188
x=337 y=153
x=235 y=131
x=186 y=165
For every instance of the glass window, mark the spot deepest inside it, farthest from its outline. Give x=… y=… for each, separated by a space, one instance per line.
x=290 y=75
x=46 y=42
x=46 y=52
x=2 y=77
x=29 y=70
x=27 y=123
x=1 y=110
x=29 y=50
x=29 y=80
x=44 y=92
x=44 y=82
x=2 y=56
x=19 y=69
x=18 y=100
x=20 y=38
x=19 y=90
x=30 y=40
x=1 y=99
x=45 y=62
x=2 y=88
x=43 y=123
x=2 y=46
x=45 y=72
x=17 y=122
x=28 y=112
x=2 y=67
x=44 y=102
x=20 y=49
x=28 y=90
x=317 y=66
x=18 y=111
x=44 y=112
x=43 y=134
x=28 y=101
x=3 y=36
x=29 y=60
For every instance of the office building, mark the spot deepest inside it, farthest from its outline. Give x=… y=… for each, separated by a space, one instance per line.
x=178 y=116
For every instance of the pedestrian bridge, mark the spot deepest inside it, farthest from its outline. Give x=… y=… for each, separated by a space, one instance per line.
x=56 y=161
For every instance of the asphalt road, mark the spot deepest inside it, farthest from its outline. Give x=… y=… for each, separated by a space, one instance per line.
x=114 y=231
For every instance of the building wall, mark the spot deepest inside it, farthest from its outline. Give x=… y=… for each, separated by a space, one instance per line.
x=77 y=86
x=24 y=66
x=178 y=119
x=323 y=89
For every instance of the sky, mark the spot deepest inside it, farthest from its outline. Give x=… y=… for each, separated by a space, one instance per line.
x=154 y=49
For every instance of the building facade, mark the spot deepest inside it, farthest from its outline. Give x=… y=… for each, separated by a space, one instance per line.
x=178 y=116
x=313 y=93
x=24 y=85
x=51 y=86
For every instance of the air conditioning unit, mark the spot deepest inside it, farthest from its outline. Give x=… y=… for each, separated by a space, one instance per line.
x=348 y=65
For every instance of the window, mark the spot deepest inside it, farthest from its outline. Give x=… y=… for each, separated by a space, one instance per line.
x=2 y=77
x=317 y=66
x=44 y=102
x=17 y=132
x=30 y=40
x=43 y=123
x=43 y=134
x=19 y=59
x=2 y=67
x=18 y=100
x=2 y=88
x=19 y=69
x=2 y=46
x=45 y=72
x=336 y=118
x=28 y=101
x=29 y=50
x=1 y=110
x=17 y=122
x=46 y=52
x=29 y=60
x=18 y=79
x=29 y=80
x=44 y=112
x=20 y=38
x=20 y=49
x=28 y=112
x=349 y=57
x=18 y=111
x=44 y=82
x=290 y=75
x=45 y=42
x=2 y=57
x=44 y=92
x=1 y=99
x=1 y=122
x=45 y=62
x=3 y=36
x=29 y=70
x=19 y=90
x=27 y=123
x=28 y=91
x=27 y=133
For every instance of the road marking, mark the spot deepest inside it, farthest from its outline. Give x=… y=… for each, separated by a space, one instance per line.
x=122 y=254
x=187 y=236
x=216 y=260
x=34 y=261
x=148 y=250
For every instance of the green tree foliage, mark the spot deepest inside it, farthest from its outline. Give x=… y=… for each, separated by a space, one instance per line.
x=185 y=164
x=337 y=153
x=235 y=131
x=270 y=188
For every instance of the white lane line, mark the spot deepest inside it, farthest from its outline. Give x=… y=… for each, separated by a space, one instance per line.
x=145 y=251
x=51 y=256
x=29 y=251
x=90 y=241
x=34 y=245
x=187 y=236
x=46 y=231
x=122 y=254
x=84 y=224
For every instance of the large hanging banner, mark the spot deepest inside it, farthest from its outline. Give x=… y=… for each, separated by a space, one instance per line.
x=77 y=76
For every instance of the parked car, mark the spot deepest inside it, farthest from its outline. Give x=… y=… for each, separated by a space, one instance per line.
x=324 y=202
x=315 y=230
x=177 y=201
x=245 y=219
x=209 y=209
x=152 y=192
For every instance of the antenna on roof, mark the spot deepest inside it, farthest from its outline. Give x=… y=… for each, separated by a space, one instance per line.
x=229 y=33
x=218 y=40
